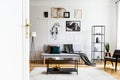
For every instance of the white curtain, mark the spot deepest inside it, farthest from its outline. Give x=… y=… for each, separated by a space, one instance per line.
x=118 y=29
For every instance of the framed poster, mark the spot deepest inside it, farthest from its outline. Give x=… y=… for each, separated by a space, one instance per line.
x=57 y=12
x=77 y=13
x=73 y=25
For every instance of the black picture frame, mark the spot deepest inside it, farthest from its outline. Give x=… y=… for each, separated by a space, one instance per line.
x=46 y=14
x=73 y=25
x=66 y=14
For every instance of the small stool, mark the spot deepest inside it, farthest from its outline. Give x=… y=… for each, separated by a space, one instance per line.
x=108 y=54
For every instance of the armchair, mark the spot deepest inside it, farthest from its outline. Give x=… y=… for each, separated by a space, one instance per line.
x=115 y=58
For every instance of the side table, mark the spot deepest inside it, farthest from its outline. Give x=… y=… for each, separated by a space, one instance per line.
x=108 y=54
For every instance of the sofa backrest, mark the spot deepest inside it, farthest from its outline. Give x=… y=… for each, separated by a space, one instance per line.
x=76 y=47
x=46 y=47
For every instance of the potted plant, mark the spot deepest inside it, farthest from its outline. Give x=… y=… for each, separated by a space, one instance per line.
x=107 y=47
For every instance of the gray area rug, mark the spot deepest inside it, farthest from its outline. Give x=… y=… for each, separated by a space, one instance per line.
x=39 y=73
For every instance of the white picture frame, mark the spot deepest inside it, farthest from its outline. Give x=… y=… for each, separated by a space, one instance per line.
x=78 y=13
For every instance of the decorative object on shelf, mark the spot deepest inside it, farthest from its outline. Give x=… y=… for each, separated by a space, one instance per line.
x=54 y=30
x=32 y=50
x=66 y=14
x=107 y=47
x=57 y=12
x=97 y=40
x=77 y=13
x=73 y=25
x=56 y=67
x=98 y=57
x=95 y=49
x=46 y=14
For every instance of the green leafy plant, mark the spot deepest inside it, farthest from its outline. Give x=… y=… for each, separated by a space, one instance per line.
x=107 y=47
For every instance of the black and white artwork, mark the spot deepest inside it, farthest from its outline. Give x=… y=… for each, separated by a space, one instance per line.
x=54 y=30
x=73 y=25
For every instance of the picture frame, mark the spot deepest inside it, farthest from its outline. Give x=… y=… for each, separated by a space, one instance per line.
x=78 y=13
x=46 y=14
x=57 y=12
x=66 y=14
x=73 y=26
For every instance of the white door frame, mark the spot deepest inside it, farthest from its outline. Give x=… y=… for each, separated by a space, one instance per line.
x=13 y=42
x=26 y=39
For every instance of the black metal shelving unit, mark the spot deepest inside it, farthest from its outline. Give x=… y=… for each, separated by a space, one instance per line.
x=97 y=42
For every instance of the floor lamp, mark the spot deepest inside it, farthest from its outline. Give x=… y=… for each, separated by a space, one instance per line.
x=32 y=50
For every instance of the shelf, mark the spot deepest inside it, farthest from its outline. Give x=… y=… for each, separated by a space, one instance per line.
x=98 y=34
x=97 y=41
x=62 y=70
x=98 y=26
x=97 y=51
x=61 y=61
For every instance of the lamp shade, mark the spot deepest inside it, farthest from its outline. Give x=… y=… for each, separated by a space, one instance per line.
x=33 y=34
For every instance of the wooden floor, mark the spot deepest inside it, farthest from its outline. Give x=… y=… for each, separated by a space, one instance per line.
x=109 y=69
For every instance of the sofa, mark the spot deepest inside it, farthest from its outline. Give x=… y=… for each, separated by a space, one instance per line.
x=46 y=48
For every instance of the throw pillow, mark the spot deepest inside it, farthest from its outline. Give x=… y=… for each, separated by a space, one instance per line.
x=48 y=49
x=54 y=49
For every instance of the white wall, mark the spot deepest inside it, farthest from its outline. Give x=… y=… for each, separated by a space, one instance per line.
x=101 y=12
x=118 y=29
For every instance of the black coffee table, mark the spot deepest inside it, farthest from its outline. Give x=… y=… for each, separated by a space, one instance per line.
x=62 y=70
